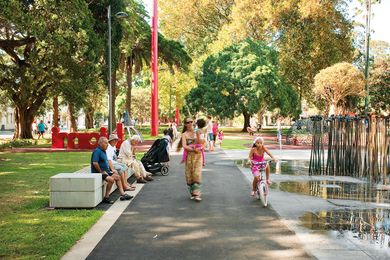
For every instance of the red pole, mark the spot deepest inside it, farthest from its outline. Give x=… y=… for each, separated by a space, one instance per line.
x=177 y=116
x=154 y=99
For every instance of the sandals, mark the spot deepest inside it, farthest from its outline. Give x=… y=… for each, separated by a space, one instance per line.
x=125 y=197
x=129 y=189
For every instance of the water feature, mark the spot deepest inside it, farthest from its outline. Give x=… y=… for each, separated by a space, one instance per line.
x=326 y=189
x=368 y=226
x=294 y=167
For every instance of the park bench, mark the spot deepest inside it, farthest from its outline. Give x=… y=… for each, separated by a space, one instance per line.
x=81 y=189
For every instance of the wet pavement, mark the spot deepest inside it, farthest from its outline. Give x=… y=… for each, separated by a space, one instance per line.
x=335 y=217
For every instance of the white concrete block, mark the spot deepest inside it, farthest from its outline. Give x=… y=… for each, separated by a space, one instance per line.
x=75 y=199
x=75 y=182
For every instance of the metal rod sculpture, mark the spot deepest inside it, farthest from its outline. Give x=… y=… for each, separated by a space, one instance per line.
x=357 y=147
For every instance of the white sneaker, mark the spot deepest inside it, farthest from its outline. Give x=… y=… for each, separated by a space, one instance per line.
x=197 y=198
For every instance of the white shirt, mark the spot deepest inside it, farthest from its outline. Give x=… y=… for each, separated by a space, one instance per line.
x=210 y=127
x=125 y=153
x=111 y=153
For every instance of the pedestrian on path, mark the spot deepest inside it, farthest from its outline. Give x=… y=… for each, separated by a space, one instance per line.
x=256 y=154
x=192 y=143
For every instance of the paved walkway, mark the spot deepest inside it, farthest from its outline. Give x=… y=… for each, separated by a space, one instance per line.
x=163 y=223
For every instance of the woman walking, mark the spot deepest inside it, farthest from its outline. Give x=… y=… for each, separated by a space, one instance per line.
x=192 y=142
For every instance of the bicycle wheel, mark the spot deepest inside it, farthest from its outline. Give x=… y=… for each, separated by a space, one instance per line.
x=258 y=191
x=263 y=193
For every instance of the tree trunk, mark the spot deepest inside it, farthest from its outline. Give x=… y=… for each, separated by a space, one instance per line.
x=129 y=77
x=89 y=112
x=55 y=112
x=23 y=122
x=246 y=121
x=73 y=123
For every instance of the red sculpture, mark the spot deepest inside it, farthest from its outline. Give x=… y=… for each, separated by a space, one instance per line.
x=82 y=140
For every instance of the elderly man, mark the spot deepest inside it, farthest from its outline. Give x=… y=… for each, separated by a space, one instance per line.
x=99 y=164
x=127 y=156
x=116 y=166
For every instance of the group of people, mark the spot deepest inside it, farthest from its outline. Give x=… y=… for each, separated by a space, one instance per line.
x=117 y=168
x=214 y=135
x=193 y=140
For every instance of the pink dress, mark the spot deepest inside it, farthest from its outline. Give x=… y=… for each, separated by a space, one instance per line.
x=256 y=167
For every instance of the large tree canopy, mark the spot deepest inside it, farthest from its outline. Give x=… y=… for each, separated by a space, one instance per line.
x=44 y=45
x=336 y=83
x=380 y=86
x=242 y=78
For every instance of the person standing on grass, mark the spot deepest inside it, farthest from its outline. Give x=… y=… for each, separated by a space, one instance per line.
x=41 y=129
x=99 y=164
x=192 y=142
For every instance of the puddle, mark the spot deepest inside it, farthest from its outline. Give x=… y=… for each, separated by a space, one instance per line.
x=326 y=189
x=370 y=226
x=291 y=167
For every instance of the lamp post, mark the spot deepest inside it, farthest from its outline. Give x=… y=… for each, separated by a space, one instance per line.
x=367 y=57
x=111 y=107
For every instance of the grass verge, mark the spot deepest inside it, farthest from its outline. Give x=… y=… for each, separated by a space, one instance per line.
x=28 y=229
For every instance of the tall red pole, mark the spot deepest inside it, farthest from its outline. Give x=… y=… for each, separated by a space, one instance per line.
x=154 y=99
x=177 y=115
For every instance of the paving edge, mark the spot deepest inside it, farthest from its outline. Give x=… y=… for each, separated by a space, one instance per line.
x=89 y=240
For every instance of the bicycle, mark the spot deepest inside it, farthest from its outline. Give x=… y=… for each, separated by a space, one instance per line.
x=262 y=191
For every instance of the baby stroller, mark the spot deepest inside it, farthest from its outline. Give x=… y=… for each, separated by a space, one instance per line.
x=155 y=160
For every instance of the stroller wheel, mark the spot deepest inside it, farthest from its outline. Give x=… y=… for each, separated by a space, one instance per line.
x=164 y=170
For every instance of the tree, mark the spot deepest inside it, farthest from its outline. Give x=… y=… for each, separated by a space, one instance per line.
x=194 y=23
x=43 y=50
x=380 y=86
x=137 y=55
x=242 y=78
x=336 y=83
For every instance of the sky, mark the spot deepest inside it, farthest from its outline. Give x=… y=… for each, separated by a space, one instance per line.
x=380 y=22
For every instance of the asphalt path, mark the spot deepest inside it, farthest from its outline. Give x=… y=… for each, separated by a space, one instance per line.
x=163 y=223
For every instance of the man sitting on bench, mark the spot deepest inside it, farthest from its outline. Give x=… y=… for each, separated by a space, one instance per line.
x=99 y=164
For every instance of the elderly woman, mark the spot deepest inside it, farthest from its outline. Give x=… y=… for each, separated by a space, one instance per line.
x=127 y=156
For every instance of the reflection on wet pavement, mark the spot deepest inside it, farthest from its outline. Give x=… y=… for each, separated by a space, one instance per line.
x=295 y=167
x=370 y=225
x=336 y=190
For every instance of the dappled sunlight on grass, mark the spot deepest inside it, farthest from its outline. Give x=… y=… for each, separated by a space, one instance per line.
x=6 y=173
x=28 y=230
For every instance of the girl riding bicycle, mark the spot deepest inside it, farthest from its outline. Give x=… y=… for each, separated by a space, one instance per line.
x=256 y=154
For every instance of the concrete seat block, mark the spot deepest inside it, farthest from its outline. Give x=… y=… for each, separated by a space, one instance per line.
x=75 y=182
x=75 y=199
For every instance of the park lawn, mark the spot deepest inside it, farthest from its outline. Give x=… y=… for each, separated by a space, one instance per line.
x=229 y=144
x=28 y=229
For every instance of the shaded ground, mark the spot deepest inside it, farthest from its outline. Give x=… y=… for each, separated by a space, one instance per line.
x=163 y=223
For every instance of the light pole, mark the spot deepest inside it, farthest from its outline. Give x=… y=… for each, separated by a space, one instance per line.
x=367 y=57
x=111 y=107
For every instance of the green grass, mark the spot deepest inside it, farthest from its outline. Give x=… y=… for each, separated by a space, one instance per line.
x=28 y=229
x=229 y=144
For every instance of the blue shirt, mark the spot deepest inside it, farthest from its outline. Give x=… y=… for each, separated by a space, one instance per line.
x=99 y=156
x=41 y=127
